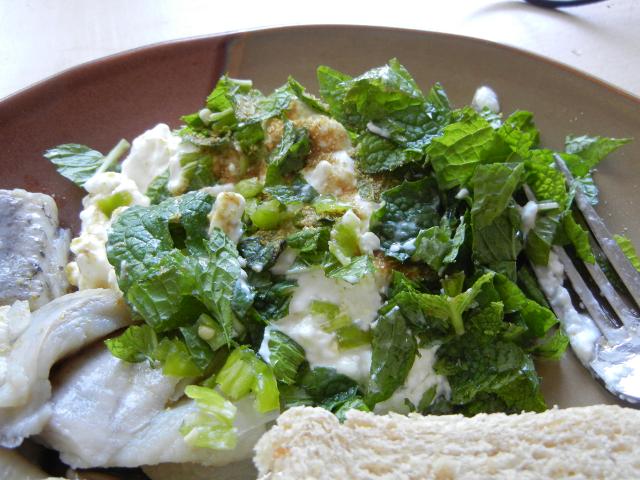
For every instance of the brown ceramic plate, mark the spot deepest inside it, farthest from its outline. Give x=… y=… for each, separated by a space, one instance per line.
x=120 y=96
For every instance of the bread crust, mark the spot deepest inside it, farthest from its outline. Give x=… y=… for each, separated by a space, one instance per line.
x=600 y=441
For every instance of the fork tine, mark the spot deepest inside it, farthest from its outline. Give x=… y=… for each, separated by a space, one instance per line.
x=591 y=304
x=626 y=315
x=629 y=276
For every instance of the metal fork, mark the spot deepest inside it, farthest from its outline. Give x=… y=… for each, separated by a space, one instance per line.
x=615 y=358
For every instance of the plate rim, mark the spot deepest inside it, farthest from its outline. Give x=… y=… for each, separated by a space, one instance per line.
x=156 y=47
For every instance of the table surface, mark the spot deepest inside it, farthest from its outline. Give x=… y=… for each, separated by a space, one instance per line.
x=39 y=38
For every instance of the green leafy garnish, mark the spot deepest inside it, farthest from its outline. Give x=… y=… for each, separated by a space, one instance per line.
x=79 y=163
x=212 y=425
x=244 y=372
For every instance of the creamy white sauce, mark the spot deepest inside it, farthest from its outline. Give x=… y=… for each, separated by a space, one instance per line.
x=485 y=97
x=150 y=154
x=284 y=261
x=618 y=364
x=359 y=301
x=462 y=194
x=264 y=351
x=177 y=182
x=528 y=215
x=582 y=331
x=421 y=378
x=373 y=128
x=364 y=209
x=226 y=214
x=91 y=268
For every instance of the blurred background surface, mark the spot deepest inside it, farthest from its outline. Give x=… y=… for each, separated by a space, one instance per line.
x=39 y=38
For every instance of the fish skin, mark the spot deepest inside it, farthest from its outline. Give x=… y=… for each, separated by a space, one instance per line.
x=33 y=249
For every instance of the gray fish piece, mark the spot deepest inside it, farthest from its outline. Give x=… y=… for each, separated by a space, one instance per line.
x=30 y=344
x=109 y=413
x=33 y=249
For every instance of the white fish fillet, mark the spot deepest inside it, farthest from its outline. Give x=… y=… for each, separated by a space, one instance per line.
x=33 y=249
x=109 y=413
x=30 y=347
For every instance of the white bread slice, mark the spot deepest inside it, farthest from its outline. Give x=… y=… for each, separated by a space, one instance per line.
x=601 y=441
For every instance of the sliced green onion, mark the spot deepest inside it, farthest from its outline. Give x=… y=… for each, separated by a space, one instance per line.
x=347 y=333
x=244 y=372
x=351 y=336
x=119 y=199
x=329 y=205
x=212 y=425
x=345 y=240
x=175 y=359
x=249 y=187
x=324 y=308
x=114 y=156
x=268 y=215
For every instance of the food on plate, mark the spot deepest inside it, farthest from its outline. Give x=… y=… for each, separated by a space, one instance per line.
x=33 y=249
x=369 y=249
x=33 y=342
x=581 y=442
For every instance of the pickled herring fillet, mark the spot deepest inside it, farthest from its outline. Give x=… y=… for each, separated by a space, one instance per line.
x=110 y=413
x=31 y=343
x=33 y=249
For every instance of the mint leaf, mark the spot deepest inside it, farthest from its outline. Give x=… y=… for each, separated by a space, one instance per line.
x=577 y=236
x=197 y=170
x=354 y=271
x=462 y=146
x=308 y=99
x=333 y=85
x=540 y=239
x=342 y=402
x=589 y=151
x=157 y=190
x=226 y=87
x=260 y=253
x=497 y=246
x=393 y=352
x=493 y=186
x=171 y=270
x=136 y=344
x=436 y=248
x=289 y=155
x=629 y=250
x=487 y=373
x=272 y=295
x=79 y=163
x=547 y=183
x=449 y=308
x=285 y=356
x=322 y=383
x=309 y=239
x=407 y=209
x=76 y=162
x=519 y=132
x=377 y=154
x=298 y=191
x=379 y=92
